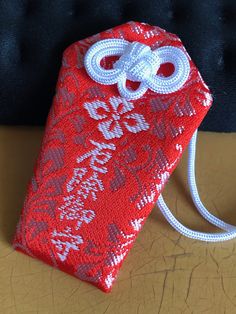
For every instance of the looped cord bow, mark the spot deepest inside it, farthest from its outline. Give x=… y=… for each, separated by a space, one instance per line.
x=137 y=63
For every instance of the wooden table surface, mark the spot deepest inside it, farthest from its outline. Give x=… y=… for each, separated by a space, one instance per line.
x=163 y=273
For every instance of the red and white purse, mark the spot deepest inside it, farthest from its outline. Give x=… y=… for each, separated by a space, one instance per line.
x=127 y=103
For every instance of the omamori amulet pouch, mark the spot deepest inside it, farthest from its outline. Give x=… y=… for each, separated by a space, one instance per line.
x=127 y=103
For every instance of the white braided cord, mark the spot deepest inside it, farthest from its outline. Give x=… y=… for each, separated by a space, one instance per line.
x=137 y=63
x=202 y=236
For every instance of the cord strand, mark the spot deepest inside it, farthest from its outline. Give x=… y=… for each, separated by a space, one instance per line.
x=230 y=230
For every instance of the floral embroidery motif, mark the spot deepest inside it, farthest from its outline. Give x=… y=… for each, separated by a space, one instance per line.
x=115 y=119
x=67 y=218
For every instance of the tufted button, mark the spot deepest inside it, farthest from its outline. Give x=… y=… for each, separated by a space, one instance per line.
x=31 y=7
x=180 y=13
x=229 y=58
x=229 y=14
x=9 y=52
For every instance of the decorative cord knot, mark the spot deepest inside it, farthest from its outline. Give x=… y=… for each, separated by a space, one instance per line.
x=137 y=63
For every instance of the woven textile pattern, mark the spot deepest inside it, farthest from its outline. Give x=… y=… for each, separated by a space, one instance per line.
x=104 y=161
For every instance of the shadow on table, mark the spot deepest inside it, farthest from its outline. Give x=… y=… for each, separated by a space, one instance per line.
x=19 y=147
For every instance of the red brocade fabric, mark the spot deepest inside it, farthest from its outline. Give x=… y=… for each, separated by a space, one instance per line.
x=104 y=161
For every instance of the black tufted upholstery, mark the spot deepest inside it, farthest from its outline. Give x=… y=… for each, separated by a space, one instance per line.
x=34 y=33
